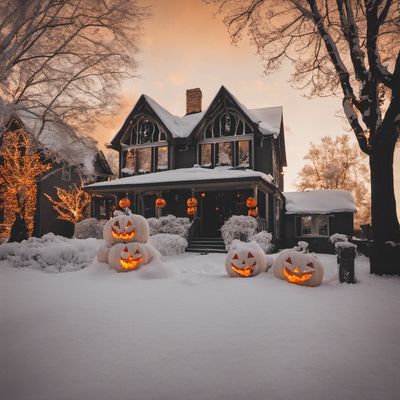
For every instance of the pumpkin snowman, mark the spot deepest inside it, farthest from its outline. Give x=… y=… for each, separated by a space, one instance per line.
x=126 y=228
x=302 y=269
x=245 y=259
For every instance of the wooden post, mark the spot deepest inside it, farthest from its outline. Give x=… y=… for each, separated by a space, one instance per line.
x=346 y=257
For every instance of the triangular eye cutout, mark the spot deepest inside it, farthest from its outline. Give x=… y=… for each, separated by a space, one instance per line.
x=117 y=224
x=288 y=260
x=137 y=251
x=126 y=249
x=129 y=223
x=235 y=257
x=310 y=264
x=250 y=255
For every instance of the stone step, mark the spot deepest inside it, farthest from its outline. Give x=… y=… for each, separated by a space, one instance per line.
x=204 y=250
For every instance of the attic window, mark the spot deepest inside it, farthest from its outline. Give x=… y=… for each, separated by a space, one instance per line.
x=66 y=173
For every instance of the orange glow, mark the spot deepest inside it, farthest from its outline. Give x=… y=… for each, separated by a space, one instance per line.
x=124 y=203
x=123 y=235
x=192 y=202
x=245 y=271
x=296 y=276
x=161 y=203
x=251 y=202
x=130 y=262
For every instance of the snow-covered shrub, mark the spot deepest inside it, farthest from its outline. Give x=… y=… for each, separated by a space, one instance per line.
x=170 y=224
x=239 y=227
x=89 y=228
x=168 y=244
x=264 y=240
x=301 y=246
x=51 y=253
x=338 y=237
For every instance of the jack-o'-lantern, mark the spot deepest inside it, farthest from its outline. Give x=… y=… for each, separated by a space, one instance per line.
x=245 y=259
x=160 y=202
x=192 y=211
x=251 y=202
x=253 y=212
x=299 y=268
x=126 y=228
x=125 y=257
x=124 y=203
x=191 y=202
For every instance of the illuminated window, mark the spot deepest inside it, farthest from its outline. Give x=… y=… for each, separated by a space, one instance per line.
x=162 y=158
x=243 y=153
x=130 y=160
x=144 y=159
x=206 y=155
x=312 y=225
x=225 y=153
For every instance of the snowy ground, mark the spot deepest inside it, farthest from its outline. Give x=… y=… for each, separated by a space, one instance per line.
x=101 y=335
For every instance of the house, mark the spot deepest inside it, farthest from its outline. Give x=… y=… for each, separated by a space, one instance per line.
x=315 y=215
x=73 y=159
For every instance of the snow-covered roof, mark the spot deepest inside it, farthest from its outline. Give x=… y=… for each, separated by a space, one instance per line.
x=319 y=202
x=185 y=174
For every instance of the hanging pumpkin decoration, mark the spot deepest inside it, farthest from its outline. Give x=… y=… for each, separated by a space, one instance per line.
x=124 y=203
x=126 y=228
x=192 y=211
x=160 y=202
x=245 y=259
x=124 y=257
x=251 y=202
x=253 y=212
x=191 y=202
x=299 y=268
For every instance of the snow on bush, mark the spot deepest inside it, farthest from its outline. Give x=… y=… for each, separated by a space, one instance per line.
x=338 y=237
x=301 y=246
x=170 y=224
x=239 y=227
x=264 y=240
x=168 y=244
x=51 y=253
x=89 y=228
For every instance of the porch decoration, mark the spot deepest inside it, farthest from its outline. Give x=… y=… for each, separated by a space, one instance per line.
x=191 y=202
x=161 y=202
x=253 y=212
x=299 y=268
x=192 y=211
x=245 y=259
x=251 y=202
x=124 y=203
x=126 y=228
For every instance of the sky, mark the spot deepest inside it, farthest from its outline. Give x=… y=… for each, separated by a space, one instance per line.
x=186 y=45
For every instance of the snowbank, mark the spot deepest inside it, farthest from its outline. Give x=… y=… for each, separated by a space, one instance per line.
x=170 y=224
x=168 y=244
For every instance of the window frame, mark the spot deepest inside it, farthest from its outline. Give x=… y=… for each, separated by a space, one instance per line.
x=66 y=173
x=315 y=225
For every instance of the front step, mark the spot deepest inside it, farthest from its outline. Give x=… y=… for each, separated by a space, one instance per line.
x=206 y=245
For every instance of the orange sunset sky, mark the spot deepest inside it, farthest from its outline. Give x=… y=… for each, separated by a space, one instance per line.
x=184 y=45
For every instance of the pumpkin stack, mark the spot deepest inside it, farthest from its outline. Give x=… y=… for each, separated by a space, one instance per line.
x=126 y=247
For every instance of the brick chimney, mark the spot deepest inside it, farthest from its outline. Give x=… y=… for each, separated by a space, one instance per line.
x=193 y=101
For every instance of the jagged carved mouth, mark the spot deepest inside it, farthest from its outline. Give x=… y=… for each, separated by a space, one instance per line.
x=130 y=262
x=123 y=235
x=296 y=276
x=244 y=271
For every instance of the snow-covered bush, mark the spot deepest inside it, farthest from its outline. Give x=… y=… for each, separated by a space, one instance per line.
x=170 y=224
x=264 y=240
x=338 y=237
x=301 y=246
x=51 y=253
x=239 y=227
x=89 y=228
x=168 y=244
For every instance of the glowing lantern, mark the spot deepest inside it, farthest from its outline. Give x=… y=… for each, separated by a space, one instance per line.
x=245 y=259
x=191 y=202
x=299 y=268
x=124 y=203
x=126 y=228
x=160 y=202
x=253 y=212
x=192 y=211
x=251 y=202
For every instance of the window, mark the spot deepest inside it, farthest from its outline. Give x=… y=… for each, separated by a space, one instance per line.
x=312 y=225
x=162 y=158
x=66 y=173
x=206 y=155
x=225 y=153
x=143 y=159
x=130 y=160
x=243 y=153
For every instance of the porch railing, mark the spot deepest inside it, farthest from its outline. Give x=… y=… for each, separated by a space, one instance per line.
x=262 y=224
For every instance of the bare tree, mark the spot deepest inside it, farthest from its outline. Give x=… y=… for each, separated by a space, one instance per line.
x=64 y=59
x=339 y=47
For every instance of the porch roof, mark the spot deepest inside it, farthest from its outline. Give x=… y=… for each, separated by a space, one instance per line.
x=183 y=177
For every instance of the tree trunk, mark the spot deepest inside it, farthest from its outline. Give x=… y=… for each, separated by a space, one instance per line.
x=385 y=226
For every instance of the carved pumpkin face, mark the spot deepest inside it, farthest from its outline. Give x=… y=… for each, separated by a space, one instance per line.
x=124 y=202
x=161 y=203
x=245 y=259
x=125 y=257
x=299 y=268
x=251 y=202
x=192 y=210
x=191 y=202
x=126 y=228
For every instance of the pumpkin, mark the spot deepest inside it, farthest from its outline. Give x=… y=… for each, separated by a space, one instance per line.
x=299 y=268
x=245 y=259
x=160 y=202
x=251 y=202
x=191 y=202
x=126 y=228
x=253 y=212
x=102 y=253
x=192 y=210
x=124 y=203
x=124 y=257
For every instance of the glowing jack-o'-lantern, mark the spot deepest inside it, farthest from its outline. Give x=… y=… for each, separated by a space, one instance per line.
x=191 y=202
x=192 y=211
x=124 y=203
x=125 y=257
x=160 y=202
x=126 y=228
x=299 y=268
x=245 y=259
x=251 y=202
x=253 y=212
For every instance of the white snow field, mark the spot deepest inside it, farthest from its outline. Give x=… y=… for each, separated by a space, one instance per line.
x=95 y=334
